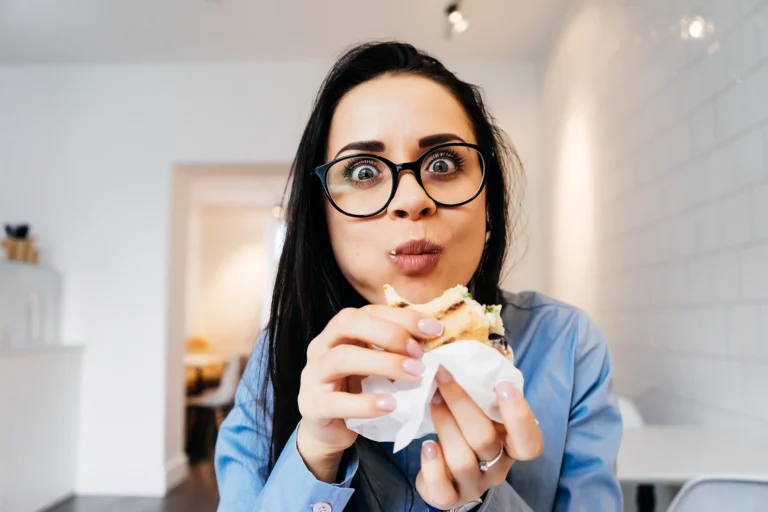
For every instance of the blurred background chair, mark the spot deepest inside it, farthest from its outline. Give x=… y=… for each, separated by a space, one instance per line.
x=206 y=411
x=721 y=493
x=630 y=414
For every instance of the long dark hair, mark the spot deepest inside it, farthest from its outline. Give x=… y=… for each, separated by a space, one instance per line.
x=309 y=287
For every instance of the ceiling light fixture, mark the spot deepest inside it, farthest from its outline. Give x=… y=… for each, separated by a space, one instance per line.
x=457 y=22
x=695 y=28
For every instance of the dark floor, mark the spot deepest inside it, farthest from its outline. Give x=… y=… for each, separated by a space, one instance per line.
x=197 y=494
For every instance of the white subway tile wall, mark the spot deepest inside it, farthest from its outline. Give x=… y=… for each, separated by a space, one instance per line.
x=676 y=180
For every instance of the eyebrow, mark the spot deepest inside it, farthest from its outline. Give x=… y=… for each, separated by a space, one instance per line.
x=376 y=146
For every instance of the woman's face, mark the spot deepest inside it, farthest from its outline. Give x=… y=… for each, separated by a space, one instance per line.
x=398 y=115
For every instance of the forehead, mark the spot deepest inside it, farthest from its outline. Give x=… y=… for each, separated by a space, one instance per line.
x=397 y=110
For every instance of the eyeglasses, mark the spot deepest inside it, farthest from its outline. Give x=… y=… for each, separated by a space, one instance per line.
x=363 y=185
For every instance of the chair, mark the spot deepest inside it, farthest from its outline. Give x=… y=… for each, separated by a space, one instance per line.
x=215 y=402
x=223 y=396
x=630 y=415
x=719 y=493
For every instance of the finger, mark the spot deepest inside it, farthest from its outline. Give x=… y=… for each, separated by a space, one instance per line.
x=338 y=404
x=434 y=480
x=346 y=360
x=354 y=326
x=523 y=440
x=419 y=325
x=476 y=427
x=459 y=456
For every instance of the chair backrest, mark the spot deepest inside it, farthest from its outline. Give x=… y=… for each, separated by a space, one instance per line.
x=723 y=493
x=225 y=393
x=630 y=415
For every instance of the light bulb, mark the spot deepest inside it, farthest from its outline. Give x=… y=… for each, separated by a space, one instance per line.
x=460 y=26
x=455 y=17
x=696 y=28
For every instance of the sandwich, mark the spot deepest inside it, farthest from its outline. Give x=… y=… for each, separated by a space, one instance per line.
x=463 y=317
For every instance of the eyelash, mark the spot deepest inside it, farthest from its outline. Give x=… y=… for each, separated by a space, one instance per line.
x=355 y=163
x=444 y=153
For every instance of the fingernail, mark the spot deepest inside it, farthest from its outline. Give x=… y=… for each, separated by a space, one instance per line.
x=413 y=366
x=413 y=348
x=431 y=326
x=443 y=376
x=386 y=403
x=429 y=448
x=437 y=398
x=506 y=391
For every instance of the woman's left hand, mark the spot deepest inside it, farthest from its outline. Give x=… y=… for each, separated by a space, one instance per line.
x=450 y=473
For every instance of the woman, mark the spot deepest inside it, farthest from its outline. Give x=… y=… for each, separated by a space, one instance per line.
x=357 y=221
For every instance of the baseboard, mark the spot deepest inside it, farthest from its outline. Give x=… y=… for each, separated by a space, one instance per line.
x=176 y=470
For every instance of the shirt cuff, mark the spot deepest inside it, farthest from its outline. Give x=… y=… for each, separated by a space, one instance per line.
x=306 y=491
x=349 y=464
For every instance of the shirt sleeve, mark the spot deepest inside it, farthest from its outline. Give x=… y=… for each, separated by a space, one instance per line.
x=588 y=474
x=503 y=497
x=242 y=458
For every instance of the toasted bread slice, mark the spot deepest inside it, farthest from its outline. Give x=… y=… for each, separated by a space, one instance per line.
x=463 y=317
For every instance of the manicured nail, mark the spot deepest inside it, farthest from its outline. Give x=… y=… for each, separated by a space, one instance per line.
x=443 y=376
x=386 y=403
x=429 y=448
x=431 y=327
x=413 y=348
x=507 y=391
x=413 y=366
x=437 y=398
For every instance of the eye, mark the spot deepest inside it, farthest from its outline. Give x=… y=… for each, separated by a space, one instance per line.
x=364 y=173
x=361 y=171
x=442 y=165
x=445 y=161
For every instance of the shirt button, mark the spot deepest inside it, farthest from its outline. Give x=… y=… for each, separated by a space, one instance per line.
x=322 y=507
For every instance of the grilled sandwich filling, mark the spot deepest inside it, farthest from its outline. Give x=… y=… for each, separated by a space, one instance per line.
x=463 y=317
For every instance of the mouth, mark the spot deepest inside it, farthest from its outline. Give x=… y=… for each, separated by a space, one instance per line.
x=416 y=256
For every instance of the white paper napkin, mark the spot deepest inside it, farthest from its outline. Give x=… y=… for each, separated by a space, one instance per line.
x=475 y=367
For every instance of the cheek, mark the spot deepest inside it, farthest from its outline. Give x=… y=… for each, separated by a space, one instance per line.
x=351 y=241
x=471 y=230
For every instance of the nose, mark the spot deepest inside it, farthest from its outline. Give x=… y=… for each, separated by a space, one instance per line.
x=410 y=201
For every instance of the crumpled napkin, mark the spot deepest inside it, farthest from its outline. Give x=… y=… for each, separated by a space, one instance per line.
x=475 y=367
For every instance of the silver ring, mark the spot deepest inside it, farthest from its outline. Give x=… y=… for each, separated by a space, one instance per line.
x=485 y=465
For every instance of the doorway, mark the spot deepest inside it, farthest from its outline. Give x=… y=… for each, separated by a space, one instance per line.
x=226 y=226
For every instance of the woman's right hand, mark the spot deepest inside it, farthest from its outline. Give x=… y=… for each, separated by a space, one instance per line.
x=337 y=361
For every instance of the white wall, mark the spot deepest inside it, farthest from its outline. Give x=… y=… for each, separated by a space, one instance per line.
x=655 y=164
x=86 y=156
x=232 y=269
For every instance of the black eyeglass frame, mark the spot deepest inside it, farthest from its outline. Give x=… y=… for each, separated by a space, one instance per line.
x=396 y=169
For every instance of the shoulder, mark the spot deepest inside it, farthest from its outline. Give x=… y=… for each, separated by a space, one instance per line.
x=252 y=381
x=527 y=307
x=549 y=322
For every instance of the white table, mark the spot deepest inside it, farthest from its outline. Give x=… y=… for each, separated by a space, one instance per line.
x=677 y=454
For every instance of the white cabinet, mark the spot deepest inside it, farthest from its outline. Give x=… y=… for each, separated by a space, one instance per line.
x=30 y=298
x=39 y=414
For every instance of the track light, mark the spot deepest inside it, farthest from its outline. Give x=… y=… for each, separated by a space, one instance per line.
x=457 y=23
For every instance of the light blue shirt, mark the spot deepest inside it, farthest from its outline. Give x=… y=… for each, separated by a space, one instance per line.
x=567 y=366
